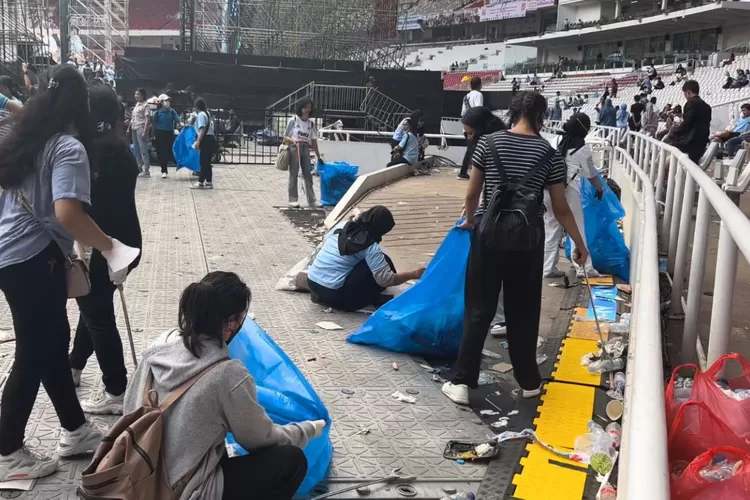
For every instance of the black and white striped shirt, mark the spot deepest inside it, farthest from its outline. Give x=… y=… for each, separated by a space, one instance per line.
x=519 y=154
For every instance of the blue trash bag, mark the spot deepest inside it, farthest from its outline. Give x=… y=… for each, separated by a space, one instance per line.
x=609 y=253
x=428 y=317
x=182 y=149
x=285 y=394
x=605 y=303
x=335 y=180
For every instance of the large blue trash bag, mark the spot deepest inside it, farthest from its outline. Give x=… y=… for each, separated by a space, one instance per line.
x=428 y=317
x=182 y=149
x=609 y=253
x=285 y=394
x=605 y=301
x=335 y=180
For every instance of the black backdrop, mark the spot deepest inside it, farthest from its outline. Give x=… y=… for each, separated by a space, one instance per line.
x=249 y=84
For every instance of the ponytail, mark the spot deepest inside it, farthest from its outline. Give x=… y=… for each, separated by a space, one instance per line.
x=206 y=307
x=529 y=106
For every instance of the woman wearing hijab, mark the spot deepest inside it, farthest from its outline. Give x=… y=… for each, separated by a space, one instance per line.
x=350 y=270
x=579 y=162
x=622 y=119
x=608 y=115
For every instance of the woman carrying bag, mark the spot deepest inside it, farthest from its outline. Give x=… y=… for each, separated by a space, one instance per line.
x=301 y=135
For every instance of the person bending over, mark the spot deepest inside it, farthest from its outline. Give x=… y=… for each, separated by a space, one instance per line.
x=223 y=400
x=351 y=271
x=407 y=150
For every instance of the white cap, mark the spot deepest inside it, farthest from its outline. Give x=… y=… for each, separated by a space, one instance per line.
x=164 y=97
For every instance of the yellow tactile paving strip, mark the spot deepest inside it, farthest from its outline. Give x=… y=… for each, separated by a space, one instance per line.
x=565 y=409
x=601 y=281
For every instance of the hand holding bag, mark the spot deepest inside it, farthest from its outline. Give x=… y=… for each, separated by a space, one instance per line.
x=76 y=269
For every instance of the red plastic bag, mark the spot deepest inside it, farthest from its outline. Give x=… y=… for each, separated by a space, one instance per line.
x=691 y=484
x=734 y=413
x=696 y=429
x=672 y=406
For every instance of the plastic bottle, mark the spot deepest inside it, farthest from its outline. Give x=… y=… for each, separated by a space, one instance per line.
x=608 y=492
x=615 y=431
x=607 y=365
x=461 y=496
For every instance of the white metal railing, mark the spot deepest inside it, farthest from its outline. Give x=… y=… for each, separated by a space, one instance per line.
x=364 y=134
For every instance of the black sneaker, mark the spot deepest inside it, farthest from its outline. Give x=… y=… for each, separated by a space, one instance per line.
x=463 y=177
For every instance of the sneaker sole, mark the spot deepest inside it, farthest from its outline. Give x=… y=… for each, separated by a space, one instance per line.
x=462 y=402
x=85 y=448
x=109 y=410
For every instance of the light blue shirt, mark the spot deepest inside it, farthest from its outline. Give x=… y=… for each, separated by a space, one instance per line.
x=330 y=268
x=742 y=125
x=410 y=145
x=61 y=172
x=201 y=121
x=399 y=133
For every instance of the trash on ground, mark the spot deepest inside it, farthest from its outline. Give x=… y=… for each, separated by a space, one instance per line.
x=511 y=413
x=483 y=449
x=621 y=327
x=541 y=358
x=683 y=386
x=328 y=325
x=502 y=422
x=600 y=446
x=607 y=492
x=501 y=367
x=398 y=396
x=607 y=365
x=486 y=378
x=539 y=342
x=437 y=378
x=329 y=310
x=490 y=354
x=394 y=366
x=470 y=450
x=312 y=359
x=489 y=413
x=504 y=344
x=618 y=391
x=429 y=368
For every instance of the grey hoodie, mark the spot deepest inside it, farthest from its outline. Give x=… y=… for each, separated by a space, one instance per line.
x=224 y=400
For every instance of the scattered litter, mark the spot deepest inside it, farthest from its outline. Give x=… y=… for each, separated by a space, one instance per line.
x=312 y=359
x=490 y=354
x=251 y=316
x=618 y=392
x=394 y=366
x=431 y=254
x=328 y=325
x=503 y=422
x=501 y=367
x=413 y=392
x=428 y=368
x=625 y=288
x=541 y=358
x=364 y=431
x=483 y=449
x=511 y=413
x=401 y=203
x=504 y=344
x=18 y=485
x=489 y=413
x=460 y=461
x=607 y=365
x=486 y=378
x=403 y=398
x=329 y=310
x=539 y=342
x=437 y=378
x=348 y=392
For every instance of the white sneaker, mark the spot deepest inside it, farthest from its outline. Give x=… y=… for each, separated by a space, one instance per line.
x=104 y=404
x=76 y=376
x=209 y=185
x=592 y=274
x=197 y=185
x=316 y=204
x=164 y=175
x=293 y=204
x=83 y=440
x=458 y=393
x=26 y=464
x=532 y=393
x=499 y=330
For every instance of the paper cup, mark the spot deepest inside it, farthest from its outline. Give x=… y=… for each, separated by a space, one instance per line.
x=614 y=410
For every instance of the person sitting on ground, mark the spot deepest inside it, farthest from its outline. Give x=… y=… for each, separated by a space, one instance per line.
x=350 y=270
x=416 y=118
x=407 y=151
x=223 y=400
x=741 y=127
x=659 y=84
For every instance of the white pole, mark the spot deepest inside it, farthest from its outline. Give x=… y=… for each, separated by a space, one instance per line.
x=724 y=281
x=675 y=223
x=695 y=283
x=678 y=281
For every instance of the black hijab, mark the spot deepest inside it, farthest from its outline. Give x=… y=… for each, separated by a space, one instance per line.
x=369 y=228
x=575 y=131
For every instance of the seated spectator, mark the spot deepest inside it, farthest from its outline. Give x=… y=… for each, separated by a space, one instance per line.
x=741 y=80
x=647 y=85
x=729 y=61
x=407 y=150
x=680 y=70
x=225 y=400
x=351 y=270
x=673 y=119
x=664 y=114
x=741 y=127
x=659 y=84
x=729 y=82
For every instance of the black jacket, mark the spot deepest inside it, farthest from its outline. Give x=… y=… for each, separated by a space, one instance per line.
x=692 y=134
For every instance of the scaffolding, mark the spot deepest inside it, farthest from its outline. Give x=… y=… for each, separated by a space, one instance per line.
x=98 y=29
x=25 y=33
x=359 y=30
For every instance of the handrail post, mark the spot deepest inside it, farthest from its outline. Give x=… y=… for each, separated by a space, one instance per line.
x=678 y=281
x=668 y=202
x=723 y=302
x=659 y=183
x=674 y=226
x=695 y=282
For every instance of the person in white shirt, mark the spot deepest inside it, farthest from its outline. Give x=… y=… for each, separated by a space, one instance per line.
x=474 y=98
x=302 y=134
x=580 y=162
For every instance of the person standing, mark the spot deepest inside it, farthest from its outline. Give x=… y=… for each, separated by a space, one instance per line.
x=692 y=135
x=636 y=113
x=301 y=135
x=140 y=125
x=45 y=181
x=651 y=118
x=205 y=143
x=615 y=87
x=474 y=98
x=113 y=179
x=580 y=163
x=503 y=159
x=608 y=115
x=166 y=120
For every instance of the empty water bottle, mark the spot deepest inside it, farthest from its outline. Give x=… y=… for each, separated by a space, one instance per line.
x=461 y=496
x=605 y=365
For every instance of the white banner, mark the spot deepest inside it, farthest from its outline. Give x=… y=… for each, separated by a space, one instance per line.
x=533 y=5
x=506 y=9
x=410 y=22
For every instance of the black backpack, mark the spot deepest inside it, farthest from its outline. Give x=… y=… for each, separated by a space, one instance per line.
x=509 y=221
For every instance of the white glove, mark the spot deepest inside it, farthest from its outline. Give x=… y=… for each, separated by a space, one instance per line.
x=319 y=426
x=118 y=277
x=120 y=256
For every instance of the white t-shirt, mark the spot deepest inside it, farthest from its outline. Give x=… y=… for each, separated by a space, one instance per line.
x=580 y=164
x=472 y=100
x=301 y=130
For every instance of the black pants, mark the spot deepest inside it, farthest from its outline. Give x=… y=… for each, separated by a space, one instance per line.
x=398 y=160
x=97 y=330
x=164 y=140
x=467 y=157
x=519 y=275
x=269 y=473
x=208 y=149
x=37 y=293
x=359 y=290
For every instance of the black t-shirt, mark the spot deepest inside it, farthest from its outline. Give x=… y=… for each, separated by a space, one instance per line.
x=637 y=110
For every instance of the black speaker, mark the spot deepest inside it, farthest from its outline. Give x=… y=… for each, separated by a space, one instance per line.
x=667 y=37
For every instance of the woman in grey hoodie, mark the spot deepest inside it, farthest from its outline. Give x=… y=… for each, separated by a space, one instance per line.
x=224 y=400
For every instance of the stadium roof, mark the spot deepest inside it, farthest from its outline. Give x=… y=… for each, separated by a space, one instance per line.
x=691 y=19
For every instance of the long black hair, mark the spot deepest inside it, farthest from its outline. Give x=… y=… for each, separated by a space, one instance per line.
x=206 y=307
x=10 y=83
x=531 y=106
x=61 y=107
x=109 y=129
x=482 y=121
x=200 y=105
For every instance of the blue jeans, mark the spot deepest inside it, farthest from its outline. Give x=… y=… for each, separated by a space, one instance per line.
x=140 y=149
x=735 y=143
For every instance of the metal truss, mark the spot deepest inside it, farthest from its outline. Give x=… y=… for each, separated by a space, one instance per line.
x=102 y=26
x=25 y=30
